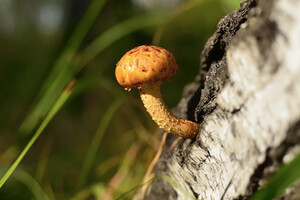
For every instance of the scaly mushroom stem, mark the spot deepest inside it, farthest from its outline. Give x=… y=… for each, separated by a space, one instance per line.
x=153 y=101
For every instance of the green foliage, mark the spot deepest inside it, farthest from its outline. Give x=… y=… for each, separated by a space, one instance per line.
x=55 y=108
x=232 y=4
x=63 y=69
x=31 y=184
x=282 y=179
x=91 y=154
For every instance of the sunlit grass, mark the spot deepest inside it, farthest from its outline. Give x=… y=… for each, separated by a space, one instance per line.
x=56 y=107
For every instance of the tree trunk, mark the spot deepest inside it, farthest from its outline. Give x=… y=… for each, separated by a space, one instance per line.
x=246 y=99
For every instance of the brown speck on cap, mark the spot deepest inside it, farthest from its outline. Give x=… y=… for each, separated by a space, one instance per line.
x=163 y=70
x=146 y=48
x=130 y=70
x=144 y=69
x=132 y=51
x=123 y=80
x=155 y=55
x=156 y=49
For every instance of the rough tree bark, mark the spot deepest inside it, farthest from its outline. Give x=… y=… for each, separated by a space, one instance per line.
x=246 y=99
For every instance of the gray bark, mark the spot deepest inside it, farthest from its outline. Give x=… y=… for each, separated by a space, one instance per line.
x=246 y=99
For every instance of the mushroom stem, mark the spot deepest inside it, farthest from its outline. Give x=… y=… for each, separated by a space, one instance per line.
x=160 y=113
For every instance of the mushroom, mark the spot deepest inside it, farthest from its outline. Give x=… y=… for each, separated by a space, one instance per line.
x=146 y=67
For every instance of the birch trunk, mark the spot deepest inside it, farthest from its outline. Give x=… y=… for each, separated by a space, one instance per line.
x=247 y=101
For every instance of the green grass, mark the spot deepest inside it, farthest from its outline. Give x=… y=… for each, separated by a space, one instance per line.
x=102 y=128
x=282 y=179
x=56 y=107
x=32 y=185
x=63 y=69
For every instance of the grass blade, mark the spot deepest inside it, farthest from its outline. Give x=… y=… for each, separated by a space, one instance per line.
x=59 y=103
x=118 y=31
x=124 y=170
x=282 y=179
x=99 y=82
x=157 y=178
x=31 y=184
x=88 y=161
x=62 y=70
x=177 y=12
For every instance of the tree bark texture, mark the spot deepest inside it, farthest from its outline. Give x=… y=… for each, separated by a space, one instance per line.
x=246 y=99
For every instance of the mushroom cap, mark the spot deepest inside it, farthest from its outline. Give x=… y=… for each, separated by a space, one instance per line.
x=145 y=64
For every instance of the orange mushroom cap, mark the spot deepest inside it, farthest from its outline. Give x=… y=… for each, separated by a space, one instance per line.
x=145 y=64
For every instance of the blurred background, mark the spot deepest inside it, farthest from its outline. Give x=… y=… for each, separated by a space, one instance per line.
x=95 y=139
